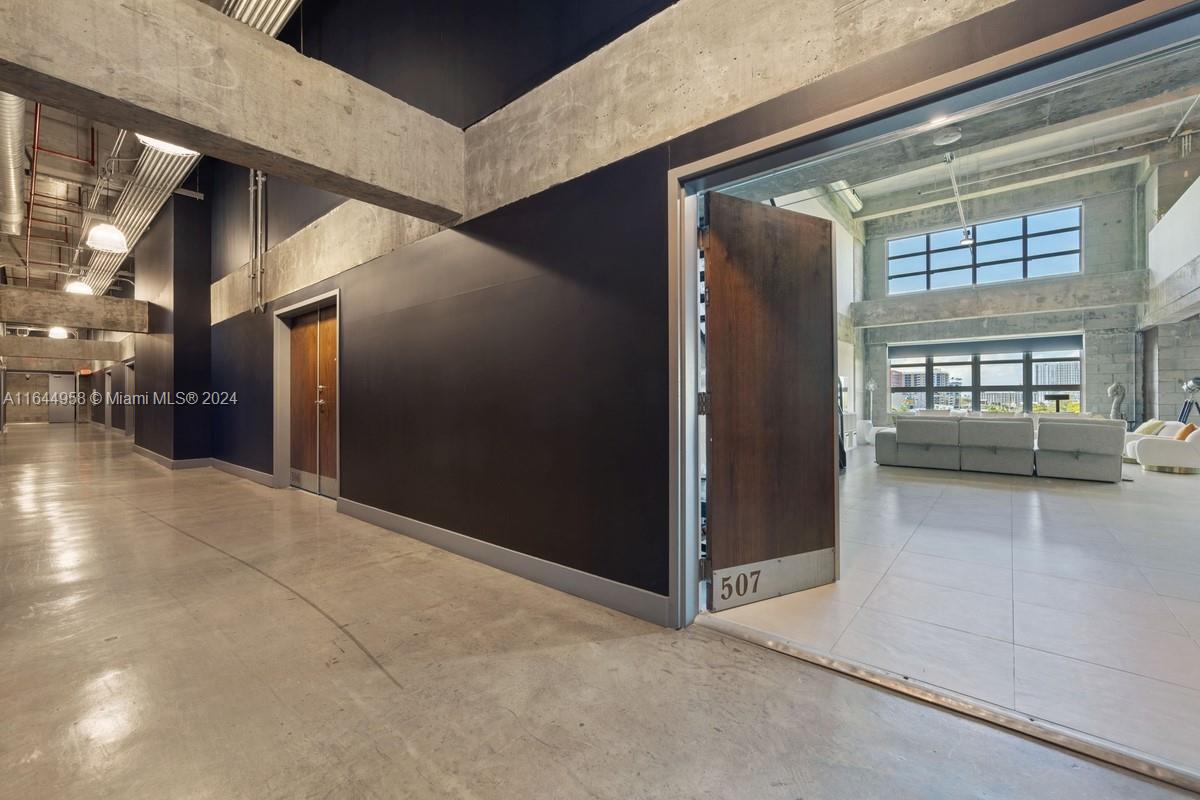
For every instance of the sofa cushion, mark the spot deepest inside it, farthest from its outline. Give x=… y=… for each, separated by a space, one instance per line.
x=927 y=431
x=1186 y=431
x=1149 y=427
x=1073 y=437
x=1008 y=433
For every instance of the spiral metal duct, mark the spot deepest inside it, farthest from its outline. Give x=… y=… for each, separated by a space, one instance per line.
x=12 y=164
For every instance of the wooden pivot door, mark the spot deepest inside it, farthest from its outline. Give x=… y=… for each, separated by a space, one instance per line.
x=314 y=398
x=771 y=382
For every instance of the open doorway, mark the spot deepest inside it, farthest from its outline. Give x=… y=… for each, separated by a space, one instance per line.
x=986 y=348
x=307 y=346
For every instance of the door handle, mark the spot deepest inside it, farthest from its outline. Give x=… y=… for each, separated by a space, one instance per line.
x=320 y=402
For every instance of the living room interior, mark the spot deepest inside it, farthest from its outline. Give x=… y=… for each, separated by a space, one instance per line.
x=1018 y=345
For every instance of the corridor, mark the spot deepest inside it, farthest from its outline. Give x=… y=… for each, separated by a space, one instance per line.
x=191 y=634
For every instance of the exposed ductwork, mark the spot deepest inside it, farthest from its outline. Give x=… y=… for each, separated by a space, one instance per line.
x=12 y=164
x=157 y=174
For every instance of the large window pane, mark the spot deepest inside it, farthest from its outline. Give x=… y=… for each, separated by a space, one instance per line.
x=942 y=239
x=1002 y=229
x=1053 y=243
x=1055 y=373
x=906 y=376
x=1041 y=405
x=955 y=277
x=899 y=266
x=913 y=283
x=957 y=375
x=950 y=258
x=1053 y=220
x=994 y=273
x=1001 y=374
x=952 y=401
x=903 y=247
x=908 y=401
x=1001 y=251
x=1001 y=402
x=1053 y=265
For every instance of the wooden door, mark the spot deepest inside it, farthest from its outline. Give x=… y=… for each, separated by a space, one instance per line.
x=304 y=409
x=771 y=360
x=327 y=397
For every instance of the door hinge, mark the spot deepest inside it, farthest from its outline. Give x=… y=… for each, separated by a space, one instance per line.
x=703 y=403
x=705 y=569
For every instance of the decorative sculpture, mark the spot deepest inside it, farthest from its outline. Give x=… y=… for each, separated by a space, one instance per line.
x=1117 y=393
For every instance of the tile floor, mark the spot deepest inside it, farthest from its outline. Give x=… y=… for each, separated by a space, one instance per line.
x=1077 y=603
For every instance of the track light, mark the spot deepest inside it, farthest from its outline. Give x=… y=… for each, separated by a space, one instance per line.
x=107 y=238
x=58 y=333
x=165 y=147
x=77 y=286
x=967 y=239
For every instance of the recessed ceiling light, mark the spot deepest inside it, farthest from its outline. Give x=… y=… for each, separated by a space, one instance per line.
x=58 y=333
x=165 y=147
x=947 y=136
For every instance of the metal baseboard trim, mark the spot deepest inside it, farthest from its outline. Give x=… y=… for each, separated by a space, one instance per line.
x=170 y=463
x=621 y=597
x=1057 y=735
x=266 y=479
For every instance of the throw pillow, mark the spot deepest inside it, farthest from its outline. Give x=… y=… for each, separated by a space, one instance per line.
x=1150 y=427
x=1187 y=431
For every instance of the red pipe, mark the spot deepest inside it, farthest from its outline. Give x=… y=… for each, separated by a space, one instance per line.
x=37 y=134
x=66 y=156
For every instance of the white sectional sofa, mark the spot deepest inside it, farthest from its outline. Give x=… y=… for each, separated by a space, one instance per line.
x=1084 y=450
x=1061 y=446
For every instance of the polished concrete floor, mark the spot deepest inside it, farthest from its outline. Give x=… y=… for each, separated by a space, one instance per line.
x=1072 y=602
x=190 y=634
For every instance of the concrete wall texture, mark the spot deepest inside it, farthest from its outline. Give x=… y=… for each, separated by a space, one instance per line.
x=1111 y=234
x=1176 y=359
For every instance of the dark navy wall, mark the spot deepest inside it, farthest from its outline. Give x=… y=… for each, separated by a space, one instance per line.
x=174 y=261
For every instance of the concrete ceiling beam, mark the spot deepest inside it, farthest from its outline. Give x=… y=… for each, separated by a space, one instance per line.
x=185 y=72
x=69 y=349
x=21 y=305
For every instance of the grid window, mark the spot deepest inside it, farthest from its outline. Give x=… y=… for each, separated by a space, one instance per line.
x=1032 y=246
x=989 y=382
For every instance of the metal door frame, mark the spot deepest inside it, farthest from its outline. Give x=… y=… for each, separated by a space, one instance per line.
x=958 y=93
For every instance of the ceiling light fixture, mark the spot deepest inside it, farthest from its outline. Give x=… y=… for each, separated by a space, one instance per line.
x=58 y=332
x=77 y=286
x=947 y=136
x=848 y=195
x=107 y=238
x=967 y=238
x=165 y=147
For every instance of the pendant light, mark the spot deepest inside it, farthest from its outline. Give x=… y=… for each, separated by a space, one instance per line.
x=77 y=286
x=107 y=238
x=58 y=332
x=968 y=239
x=165 y=147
